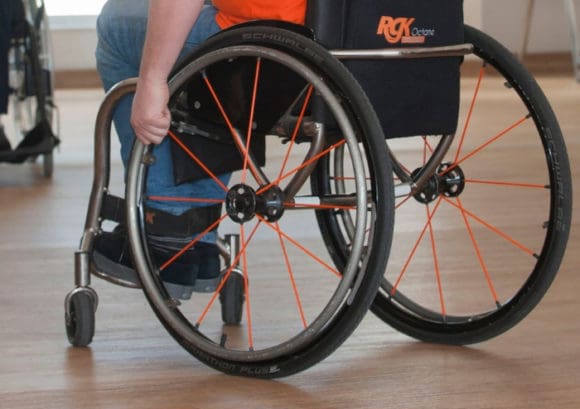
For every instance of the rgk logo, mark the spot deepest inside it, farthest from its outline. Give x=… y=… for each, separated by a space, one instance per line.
x=394 y=29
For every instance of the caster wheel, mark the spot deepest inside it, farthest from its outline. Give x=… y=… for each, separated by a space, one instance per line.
x=80 y=319
x=232 y=299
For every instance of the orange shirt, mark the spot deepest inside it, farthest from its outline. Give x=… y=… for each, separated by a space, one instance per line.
x=232 y=12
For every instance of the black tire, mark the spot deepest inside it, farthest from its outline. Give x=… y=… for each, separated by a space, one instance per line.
x=80 y=319
x=547 y=234
x=46 y=79
x=291 y=349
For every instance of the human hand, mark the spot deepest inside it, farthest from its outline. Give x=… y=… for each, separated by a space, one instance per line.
x=150 y=117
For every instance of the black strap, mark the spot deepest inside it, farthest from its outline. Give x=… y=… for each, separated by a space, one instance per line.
x=113 y=209
x=188 y=224
x=161 y=223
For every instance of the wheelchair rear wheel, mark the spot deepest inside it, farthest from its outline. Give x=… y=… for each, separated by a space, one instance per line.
x=478 y=246
x=297 y=306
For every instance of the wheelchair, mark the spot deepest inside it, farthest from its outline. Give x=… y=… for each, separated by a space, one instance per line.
x=298 y=125
x=31 y=101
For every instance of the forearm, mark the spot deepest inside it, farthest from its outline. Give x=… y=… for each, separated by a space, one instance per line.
x=169 y=23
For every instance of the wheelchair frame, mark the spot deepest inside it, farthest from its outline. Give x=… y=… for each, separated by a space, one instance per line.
x=434 y=179
x=31 y=101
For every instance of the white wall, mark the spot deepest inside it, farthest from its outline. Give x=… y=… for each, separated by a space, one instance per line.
x=549 y=29
x=73 y=42
x=74 y=38
x=473 y=12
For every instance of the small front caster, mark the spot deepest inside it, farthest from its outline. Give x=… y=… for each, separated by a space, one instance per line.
x=80 y=309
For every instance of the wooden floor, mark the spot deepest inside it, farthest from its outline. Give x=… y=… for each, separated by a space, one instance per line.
x=133 y=362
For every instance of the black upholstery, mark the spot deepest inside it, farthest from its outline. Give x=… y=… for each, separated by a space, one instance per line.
x=411 y=97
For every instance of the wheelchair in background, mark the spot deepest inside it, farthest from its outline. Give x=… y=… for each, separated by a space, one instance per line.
x=442 y=145
x=31 y=99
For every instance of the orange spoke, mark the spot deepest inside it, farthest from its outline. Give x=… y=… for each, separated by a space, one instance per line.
x=341 y=178
x=402 y=202
x=292 y=279
x=346 y=178
x=308 y=162
x=316 y=206
x=296 y=129
x=247 y=290
x=427 y=144
x=494 y=229
x=478 y=252
x=227 y=274
x=197 y=160
x=233 y=131
x=486 y=144
x=301 y=247
x=414 y=250
x=251 y=120
x=436 y=262
x=184 y=199
x=192 y=243
x=512 y=184
x=470 y=113
x=405 y=169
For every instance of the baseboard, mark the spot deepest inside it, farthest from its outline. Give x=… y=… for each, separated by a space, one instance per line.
x=554 y=64
x=550 y=64
x=67 y=79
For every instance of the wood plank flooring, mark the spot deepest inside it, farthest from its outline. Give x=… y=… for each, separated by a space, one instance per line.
x=134 y=363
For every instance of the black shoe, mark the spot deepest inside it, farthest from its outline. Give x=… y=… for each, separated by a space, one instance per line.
x=112 y=256
x=197 y=269
x=4 y=142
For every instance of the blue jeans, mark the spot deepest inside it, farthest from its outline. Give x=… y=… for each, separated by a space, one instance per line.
x=121 y=29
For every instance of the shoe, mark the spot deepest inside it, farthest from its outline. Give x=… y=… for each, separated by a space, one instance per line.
x=4 y=142
x=197 y=269
x=112 y=256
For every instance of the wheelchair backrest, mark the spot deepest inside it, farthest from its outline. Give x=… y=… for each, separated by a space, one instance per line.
x=411 y=97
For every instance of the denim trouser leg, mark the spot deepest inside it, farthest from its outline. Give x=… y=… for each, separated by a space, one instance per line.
x=121 y=31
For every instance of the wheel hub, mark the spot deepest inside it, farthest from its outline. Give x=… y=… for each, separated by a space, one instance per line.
x=448 y=180
x=243 y=203
x=452 y=179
